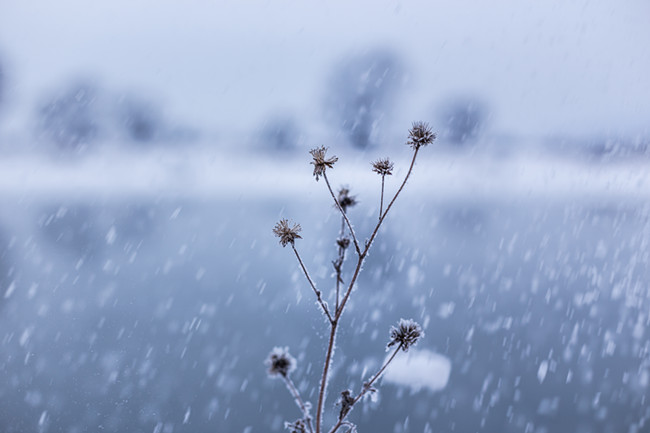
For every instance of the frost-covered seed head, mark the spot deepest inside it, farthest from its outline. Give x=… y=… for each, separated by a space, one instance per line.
x=383 y=167
x=343 y=242
x=346 y=402
x=287 y=233
x=345 y=199
x=420 y=135
x=297 y=426
x=406 y=334
x=320 y=162
x=280 y=362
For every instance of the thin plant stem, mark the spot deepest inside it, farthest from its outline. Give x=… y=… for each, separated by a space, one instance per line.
x=323 y=382
x=408 y=174
x=299 y=401
x=369 y=242
x=330 y=344
x=338 y=206
x=367 y=386
x=313 y=286
x=338 y=264
x=381 y=201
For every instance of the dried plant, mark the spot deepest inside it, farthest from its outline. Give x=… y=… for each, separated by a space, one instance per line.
x=404 y=336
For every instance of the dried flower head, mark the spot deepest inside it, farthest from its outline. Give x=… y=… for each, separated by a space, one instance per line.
x=280 y=362
x=420 y=135
x=383 y=167
x=345 y=199
x=320 y=162
x=343 y=242
x=297 y=426
x=406 y=334
x=286 y=233
x=346 y=402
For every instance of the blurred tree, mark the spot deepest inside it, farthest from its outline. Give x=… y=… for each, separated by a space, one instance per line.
x=463 y=119
x=3 y=80
x=361 y=93
x=84 y=114
x=138 y=120
x=72 y=119
x=279 y=132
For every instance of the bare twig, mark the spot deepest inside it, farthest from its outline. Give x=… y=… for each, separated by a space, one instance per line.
x=313 y=286
x=338 y=206
x=408 y=174
x=381 y=201
x=369 y=242
x=299 y=401
x=323 y=381
x=367 y=386
x=342 y=243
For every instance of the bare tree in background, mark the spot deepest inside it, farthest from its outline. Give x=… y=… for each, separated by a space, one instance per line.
x=360 y=94
x=463 y=119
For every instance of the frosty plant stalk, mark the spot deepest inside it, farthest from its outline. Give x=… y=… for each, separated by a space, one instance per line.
x=406 y=334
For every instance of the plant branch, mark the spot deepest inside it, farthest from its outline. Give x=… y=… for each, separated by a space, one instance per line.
x=313 y=286
x=367 y=386
x=299 y=402
x=381 y=201
x=383 y=216
x=338 y=206
x=323 y=382
x=369 y=242
x=338 y=263
x=334 y=321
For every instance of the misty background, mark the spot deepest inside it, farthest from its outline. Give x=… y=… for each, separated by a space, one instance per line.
x=147 y=148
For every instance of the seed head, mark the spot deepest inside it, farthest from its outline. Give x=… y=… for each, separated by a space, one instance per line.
x=297 y=426
x=280 y=362
x=406 y=334
x=345 y=199
x=383 y=167
x=320 y=162
x=420 y=135
x=286 y=233
x=346 y=402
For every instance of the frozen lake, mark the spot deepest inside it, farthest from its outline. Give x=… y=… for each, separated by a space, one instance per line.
x=148 y=300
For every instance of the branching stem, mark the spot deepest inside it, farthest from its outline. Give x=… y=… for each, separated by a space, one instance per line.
x=334 y=321
x=369 y=242
x=367 y=386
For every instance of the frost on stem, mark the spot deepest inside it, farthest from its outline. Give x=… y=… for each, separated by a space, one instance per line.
x=406 y=334
x=286 y=232
x=383 y=167
x=320 y=162
x=280 y=362
x=420 y=135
